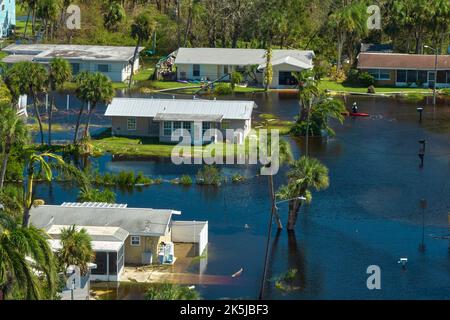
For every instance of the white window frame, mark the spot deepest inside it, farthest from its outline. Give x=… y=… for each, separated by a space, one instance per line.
x=131 y=128
x=134 y=238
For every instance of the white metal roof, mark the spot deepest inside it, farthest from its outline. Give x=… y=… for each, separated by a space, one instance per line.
x=136 y=221
x=291 y=61
x=241 y=57
x=138 y=107
x=43 y=52
x=97 y=233
x=97 y=246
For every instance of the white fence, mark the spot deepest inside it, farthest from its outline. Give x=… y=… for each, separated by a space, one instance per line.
x=191 y=232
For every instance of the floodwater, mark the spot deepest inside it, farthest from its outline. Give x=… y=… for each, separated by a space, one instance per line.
x=370 y=214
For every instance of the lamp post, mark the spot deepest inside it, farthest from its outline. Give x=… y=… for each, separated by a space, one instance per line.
x=269 y=236
x=435 y=72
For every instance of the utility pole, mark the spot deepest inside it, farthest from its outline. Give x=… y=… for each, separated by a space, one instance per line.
x=423 y=205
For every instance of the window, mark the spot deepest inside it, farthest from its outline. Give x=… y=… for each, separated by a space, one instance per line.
x=448 y=76
x=103 y=67
x=176 y=125
x=131 y=124
x=285 y=78
x=135 y=241
x=380 y=74
x=225 y=69
x=75 y=68
x=411 y=76
x=196 y=70
x=167 y=128
x=206 y=126
x=422 y=76
x=187 y=126
x=441 y=77
x=401 y=75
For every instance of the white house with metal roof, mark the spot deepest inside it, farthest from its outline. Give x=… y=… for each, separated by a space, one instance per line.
x=121 y=235
x=159 y=118
x=114 y=62
x=215 y=63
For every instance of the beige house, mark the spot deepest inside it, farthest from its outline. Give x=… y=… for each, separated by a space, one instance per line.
x=120 y=235
x=210 y=64
x=198 y=119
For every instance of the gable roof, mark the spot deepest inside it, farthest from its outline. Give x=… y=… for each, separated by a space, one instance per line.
x=136 y=221
x=96 y=233
x=240 y=57
x=214 y=109
x=402 y=61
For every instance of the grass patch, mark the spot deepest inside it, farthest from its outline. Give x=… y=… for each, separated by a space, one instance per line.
x=271 y=122
x=327 y=84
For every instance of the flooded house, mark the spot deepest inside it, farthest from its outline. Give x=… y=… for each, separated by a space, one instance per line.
x=160 y=118
x=212 y=64
x=113 y=61
x=122 y=236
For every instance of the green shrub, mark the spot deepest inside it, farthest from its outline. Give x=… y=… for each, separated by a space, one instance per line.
x=141 y=179
x=209 y=175
x=236 y=77
x=125 y=178
x=356 y=77
x=186 y=180
x=96 y=195
x=238 y=178
x=223 y=89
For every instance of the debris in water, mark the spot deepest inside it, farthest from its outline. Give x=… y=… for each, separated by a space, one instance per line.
x=237 y=274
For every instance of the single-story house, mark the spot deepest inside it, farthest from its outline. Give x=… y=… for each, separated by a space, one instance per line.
x=114 y=62
x=402 y=70
x=121 y=235
x=159 y=118
x=215 y=63
x=7 y=17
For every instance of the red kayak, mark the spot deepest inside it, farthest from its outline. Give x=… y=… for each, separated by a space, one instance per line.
x=355 y=114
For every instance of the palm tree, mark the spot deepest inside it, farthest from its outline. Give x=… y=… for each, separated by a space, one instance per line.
x=347 y=19
x=60 y=71
x=268 y=72
x=48 y=11
x=81 y=82
x=94 y=88
x=28 y=78
x=13 y=131
x=24 y=254
x=37 y=163
x=305 y=173
x=76 y=249
x=141 y=30
x=114 y=14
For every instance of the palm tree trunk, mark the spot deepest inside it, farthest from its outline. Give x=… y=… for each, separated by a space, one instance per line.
x=77 y=126
x=26 y=23
x=38 y=116
x=3 y=169
x=28 y=199
x=274 y=206
x=88 y=122
x=294 y=208
x=136 y=51
x=50 y=118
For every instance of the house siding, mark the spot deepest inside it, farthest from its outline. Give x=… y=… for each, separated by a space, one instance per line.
x=7 y=17
x=133 y=254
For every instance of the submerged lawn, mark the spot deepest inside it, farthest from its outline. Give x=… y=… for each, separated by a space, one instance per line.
x=327 y=84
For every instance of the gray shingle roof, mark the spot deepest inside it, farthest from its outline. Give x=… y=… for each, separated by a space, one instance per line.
x=145 y=222
x=242 y=57
x=136 y=107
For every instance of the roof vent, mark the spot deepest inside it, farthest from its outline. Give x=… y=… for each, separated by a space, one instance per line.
x=92 y=205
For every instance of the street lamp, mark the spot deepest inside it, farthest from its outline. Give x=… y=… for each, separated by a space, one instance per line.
x=269 y=236
x=435 y=72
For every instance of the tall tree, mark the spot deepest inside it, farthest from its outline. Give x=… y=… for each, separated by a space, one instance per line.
x=76 y=249
x=17 y=272
x=305 y=173
x=94 y=88
x=268 y=70
x=60 y=71
x=113 y=15
x=13 y=131
x=141 y=29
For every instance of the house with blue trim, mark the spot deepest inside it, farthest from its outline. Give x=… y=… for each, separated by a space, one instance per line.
x=7 y=17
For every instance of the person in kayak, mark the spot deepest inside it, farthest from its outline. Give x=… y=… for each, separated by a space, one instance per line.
x=355 y=108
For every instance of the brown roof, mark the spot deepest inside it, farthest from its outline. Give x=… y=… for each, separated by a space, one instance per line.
x=402 y=61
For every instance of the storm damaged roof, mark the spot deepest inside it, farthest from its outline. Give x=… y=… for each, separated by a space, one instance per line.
x=44 y=52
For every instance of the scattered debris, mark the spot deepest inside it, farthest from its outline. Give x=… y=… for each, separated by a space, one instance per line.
x=237 y=274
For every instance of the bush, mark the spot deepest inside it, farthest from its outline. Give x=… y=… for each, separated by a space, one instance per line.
x=223 y=89
x=209 y=175
x=125 y=178
x=238 y=178
x=337 y=75
x=141 y=179
x=236 y=77
x=356 y=77
x=186 y=180
x=11 y=197
x=446 y=92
